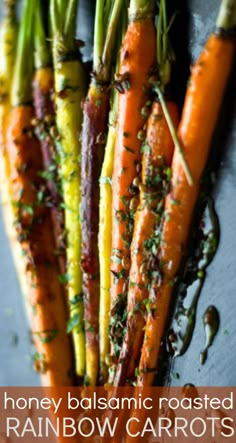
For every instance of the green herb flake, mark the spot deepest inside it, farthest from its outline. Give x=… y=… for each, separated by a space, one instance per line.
x=105 y=181
x=40 y=197
x=175 y=202
x=175 y=375
x=86 y=380
x=14 y=339
x=116 y=251
x=125 y=200
x=64 y=278
x=74 y=322
x=115 y=259
x=78 y=298
x=47 y=335
x=145 y=148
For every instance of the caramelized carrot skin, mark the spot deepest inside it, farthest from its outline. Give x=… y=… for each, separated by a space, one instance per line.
x=158 y=156
x=33 y=224
x=136 y=63
x=94 y=132
x=202 y=104
x=43 y=87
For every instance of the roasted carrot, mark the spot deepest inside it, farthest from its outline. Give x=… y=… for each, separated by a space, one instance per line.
x=104 y=244
x=70 y=86
x=95 y=121
x=33 y=224
x=8 y=40
x=105 y=219
x=43 y=87
x=156 y=160
x=136 y=64
x=204 y=95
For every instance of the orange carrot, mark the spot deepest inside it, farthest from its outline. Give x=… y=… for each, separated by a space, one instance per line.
x=53 y=358
x=156 y=160
x=44 y=128
x=145 y=243
x=136 y=63
x=205 y=92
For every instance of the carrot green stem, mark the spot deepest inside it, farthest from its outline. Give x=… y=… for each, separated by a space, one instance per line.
x=54 y=17
x=110 y=38
x=98 y=35
x=21 y=91
x=70 y=23
x=104 y=36
x=42 y=54
x=174 y=135
x=227 y=15
x=63 y=35
x=107 y=11
x=62 y=5
x=165 y=54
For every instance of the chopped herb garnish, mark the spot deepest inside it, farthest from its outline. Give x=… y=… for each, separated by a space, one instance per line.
x=78 y=298
x=75 y=321
x=105 y=180
x=64 y=278
x=145 y=148
x=116 y=259
x=47 y=335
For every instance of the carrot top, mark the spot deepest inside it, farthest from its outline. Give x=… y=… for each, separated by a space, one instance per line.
x=21 y=93
x=42 y=53
x=165 y=55
x=106 y=20
x=64 y=28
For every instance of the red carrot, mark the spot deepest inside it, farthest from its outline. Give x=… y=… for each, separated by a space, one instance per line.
x=95 y=122
x=43 y=87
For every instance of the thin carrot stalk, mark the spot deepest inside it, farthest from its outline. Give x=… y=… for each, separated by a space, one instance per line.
x=69 y=91
x=204 y=95
x=136 y=64
x=33 y=224
x=43 y=87
x=154 y=185
x=95 y=121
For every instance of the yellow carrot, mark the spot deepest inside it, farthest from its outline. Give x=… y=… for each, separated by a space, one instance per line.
x=69 y=92
x=105 y=225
